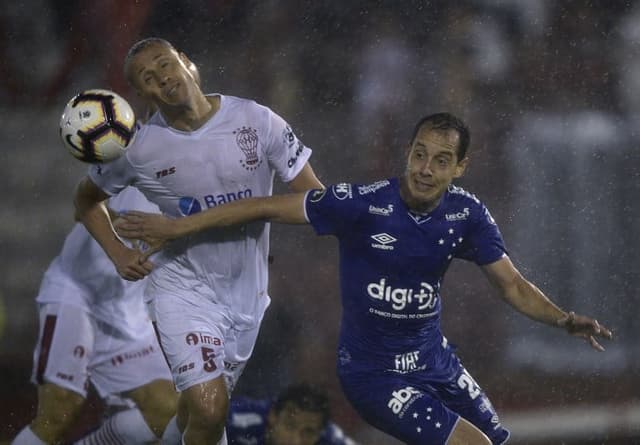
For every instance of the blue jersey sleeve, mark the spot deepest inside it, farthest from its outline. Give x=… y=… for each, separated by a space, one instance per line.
x=333 y=210
x=484 y=243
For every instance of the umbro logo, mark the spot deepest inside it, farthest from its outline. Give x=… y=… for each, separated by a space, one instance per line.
x=383 y=241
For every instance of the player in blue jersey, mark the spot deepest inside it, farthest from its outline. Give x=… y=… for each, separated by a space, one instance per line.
x=397 y=238
x=298 y=416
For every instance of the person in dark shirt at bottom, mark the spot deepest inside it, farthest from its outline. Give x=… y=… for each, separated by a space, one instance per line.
x=299 y=415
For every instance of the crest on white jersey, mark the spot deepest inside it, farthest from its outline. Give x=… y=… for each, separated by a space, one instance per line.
x=247 y=140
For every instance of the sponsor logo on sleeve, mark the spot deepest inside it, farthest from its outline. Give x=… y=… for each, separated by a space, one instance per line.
x=292 y=160
x=370 y=188
x=317 y=195
x=342 y=191
x=293 y=145
x=288 y=137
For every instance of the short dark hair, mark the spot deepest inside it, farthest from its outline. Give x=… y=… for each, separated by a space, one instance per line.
x=305 y=397
x=446 y=121
x=141 y=45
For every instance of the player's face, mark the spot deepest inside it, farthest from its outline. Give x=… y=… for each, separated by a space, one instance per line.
x=161 y=75
x=293 y=426
x=431 y=166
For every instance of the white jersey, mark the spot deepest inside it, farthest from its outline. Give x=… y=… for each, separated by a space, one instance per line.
x=82 y=275
x=232 y=156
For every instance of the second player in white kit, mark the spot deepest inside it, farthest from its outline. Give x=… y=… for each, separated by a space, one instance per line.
x=94 y=329
x=207 y=293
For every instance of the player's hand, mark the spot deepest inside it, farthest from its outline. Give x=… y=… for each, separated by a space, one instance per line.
x=585 y=327
x=152 y=228
x=132 y=264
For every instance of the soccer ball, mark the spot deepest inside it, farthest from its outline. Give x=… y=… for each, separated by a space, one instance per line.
x=97 y=126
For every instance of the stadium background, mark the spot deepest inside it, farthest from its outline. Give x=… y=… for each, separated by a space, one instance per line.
x=550 y=89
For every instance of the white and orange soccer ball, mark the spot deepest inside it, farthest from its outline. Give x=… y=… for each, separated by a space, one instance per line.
x=97 y=126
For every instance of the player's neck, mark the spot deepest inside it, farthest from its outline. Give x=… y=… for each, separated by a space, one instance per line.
x=416 y=205
x=192 y=116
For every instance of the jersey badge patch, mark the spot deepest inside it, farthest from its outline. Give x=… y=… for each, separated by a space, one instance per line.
x=342 y=191
x=317 y=195
x=247 y=140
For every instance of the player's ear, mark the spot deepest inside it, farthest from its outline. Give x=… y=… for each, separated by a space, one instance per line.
x=461 y=167
x=191 y=67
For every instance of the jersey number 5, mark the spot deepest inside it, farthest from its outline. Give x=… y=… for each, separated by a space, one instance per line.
x=207 y=356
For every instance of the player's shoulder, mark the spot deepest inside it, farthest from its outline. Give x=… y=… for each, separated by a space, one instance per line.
x=458 y=195
x=462 y=205
x=245 y=104
x=154 y=122
x=146 y=129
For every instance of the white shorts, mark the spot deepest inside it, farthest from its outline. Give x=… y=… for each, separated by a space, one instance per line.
x=201 y=343
x=74 y=348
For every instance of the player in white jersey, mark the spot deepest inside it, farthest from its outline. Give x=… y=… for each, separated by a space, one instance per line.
x=207 y=293
x=94 y=328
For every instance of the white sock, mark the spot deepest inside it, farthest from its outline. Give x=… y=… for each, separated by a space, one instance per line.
x=124 y=427
x=27 y=437
x=171 y=435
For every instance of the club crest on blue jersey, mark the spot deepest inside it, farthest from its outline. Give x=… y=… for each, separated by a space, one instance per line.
x=342 y=191
x=247 y=140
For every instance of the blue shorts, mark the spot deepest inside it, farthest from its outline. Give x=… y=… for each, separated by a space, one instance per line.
x=418 y=410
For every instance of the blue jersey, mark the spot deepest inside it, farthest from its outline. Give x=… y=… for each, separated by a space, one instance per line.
x=392 y=262
x=247 y=424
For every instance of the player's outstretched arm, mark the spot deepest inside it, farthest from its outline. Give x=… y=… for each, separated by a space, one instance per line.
x=305 y=180
x=531 y=301
x=91 y=211
x=156 y=229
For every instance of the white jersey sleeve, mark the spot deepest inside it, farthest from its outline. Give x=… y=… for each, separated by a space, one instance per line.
x=286 y=153
x=114 y=176
x=82 y=275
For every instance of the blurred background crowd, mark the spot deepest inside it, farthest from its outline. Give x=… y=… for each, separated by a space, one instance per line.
x=550 y=90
